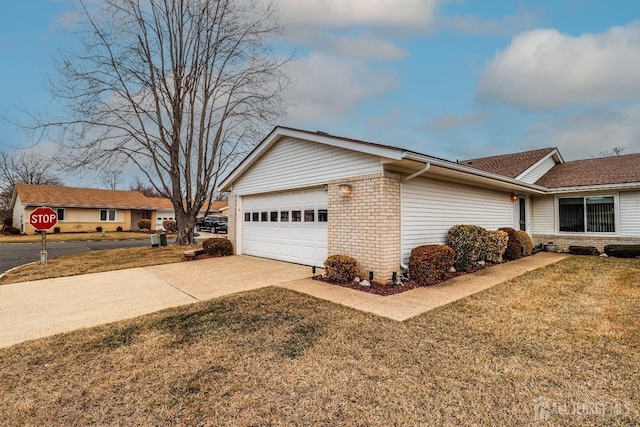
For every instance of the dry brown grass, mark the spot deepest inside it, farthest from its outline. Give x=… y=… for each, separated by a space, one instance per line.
x=568 y=332
x=95 y=262
x=74 y=237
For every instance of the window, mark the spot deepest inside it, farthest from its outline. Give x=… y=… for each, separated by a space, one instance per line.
x=322 y=215
x=247 y=216
x=255 y=217
x=296 y=216
x=309 y=215
x=284 y=216
x=264 y=216
x=273 y=216
x=60 y=212
x=107 y=214
x=591 y=214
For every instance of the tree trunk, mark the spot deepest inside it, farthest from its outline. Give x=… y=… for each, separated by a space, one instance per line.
x=186 y=222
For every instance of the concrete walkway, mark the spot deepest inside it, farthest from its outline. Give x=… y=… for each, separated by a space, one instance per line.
x=41 y=308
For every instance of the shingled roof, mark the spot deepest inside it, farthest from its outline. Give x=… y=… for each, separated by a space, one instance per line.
x=599 y=171
x=510 y=165
x=55 y=195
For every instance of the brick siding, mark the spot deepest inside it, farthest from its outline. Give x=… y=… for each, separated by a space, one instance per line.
x=366 y=224
x=232 y=216
x=599 y=242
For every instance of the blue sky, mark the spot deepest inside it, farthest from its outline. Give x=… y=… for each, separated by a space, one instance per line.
x=450 y=78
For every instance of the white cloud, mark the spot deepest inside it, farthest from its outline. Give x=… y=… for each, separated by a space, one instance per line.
x=597 y=130
x=544 y=69
x=476 y=25
x=345 y=13
x=328 y=87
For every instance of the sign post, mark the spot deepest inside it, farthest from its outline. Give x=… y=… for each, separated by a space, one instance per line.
x=42 y=219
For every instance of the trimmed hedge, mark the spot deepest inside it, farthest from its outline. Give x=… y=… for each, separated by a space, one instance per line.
x=526 y=242
x=494 y=244
x=340 y=268
x=169 y=225
x=622 y=251
x=429 y=264
x=218 y=247
x=514 y=245
x=466 y=241
x=144 y=224
x=583 y=250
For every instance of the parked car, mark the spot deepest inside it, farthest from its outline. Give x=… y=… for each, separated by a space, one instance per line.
x=212 y=223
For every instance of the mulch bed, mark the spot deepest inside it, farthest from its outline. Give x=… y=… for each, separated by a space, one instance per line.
x=384 y=290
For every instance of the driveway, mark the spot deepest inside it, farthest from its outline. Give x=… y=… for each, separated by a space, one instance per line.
x=41 y=308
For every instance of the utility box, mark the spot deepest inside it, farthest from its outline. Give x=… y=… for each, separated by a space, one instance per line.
x=163 y=239
x=155 y=240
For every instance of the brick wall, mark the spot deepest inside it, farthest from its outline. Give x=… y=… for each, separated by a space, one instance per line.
x=366 y=224
x=599 y=242
x=232 y=218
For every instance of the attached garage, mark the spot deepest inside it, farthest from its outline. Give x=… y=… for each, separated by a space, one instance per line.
x=287 y=226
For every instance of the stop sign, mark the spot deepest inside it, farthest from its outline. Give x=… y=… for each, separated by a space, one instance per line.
x=43 y=218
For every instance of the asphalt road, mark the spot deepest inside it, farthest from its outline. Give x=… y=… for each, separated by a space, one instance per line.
x=16 y=254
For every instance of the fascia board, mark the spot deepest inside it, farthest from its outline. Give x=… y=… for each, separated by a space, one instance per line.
x=555 y=154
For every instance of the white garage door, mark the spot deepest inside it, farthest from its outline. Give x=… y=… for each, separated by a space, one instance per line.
x=288 y=226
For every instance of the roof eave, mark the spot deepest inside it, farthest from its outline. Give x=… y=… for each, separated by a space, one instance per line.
x=595 y=187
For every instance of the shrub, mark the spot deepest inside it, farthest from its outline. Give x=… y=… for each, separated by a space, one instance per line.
x=429 y=264
x=340 y=268
x=56 y=230
x=144 y=224
x=12 y=230
x=494 y=244
x=169 y=225
x=98 y=228
x=119 y=228
x=526 y=243
x=218 y=247
x=584 y=250
x=8 y=222
x=622 y=251
x=514 y=245
x=466 y=242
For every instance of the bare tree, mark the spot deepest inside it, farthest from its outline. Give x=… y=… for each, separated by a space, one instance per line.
x=180 y=88
x=615 y=151
x=147 y=190
x=111 y=178
x=23 y=168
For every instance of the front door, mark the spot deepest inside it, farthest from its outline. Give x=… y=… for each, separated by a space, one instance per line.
x=522 y=209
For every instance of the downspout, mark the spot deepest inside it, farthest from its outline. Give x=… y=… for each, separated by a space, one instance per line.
x=426 y=167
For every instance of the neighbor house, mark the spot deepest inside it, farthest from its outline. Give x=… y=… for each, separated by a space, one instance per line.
x=300 y=196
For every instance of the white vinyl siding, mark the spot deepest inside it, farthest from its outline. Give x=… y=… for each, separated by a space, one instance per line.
x=630 y=214
x=543 y=217
x=536 y=172
x=295 y=163
x=430 y=207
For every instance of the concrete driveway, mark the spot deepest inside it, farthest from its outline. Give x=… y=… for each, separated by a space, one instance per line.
x=41 y=308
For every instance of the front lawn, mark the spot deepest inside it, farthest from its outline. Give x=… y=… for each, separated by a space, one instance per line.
x=564 y=340
x=74 y=237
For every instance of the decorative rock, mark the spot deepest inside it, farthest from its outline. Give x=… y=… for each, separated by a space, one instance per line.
x=604 y=255
x=365 y=283
x=482 y=263
x=356 y=279
x=452 y=270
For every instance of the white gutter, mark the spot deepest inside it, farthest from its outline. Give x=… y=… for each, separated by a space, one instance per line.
x=426 y=167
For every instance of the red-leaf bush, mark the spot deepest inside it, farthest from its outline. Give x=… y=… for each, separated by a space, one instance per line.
x=514 y=245
x=429 y=264
x=144 y=224
x=340 y=268
x=218 y=247
x=169 y=225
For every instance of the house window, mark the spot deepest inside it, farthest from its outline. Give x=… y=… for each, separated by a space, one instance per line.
x=60 y=212
x=247 y=216
x=255 y=217
x=284 y=216
x=273 y=216
x=322 y=215
x=296 y=216
x=107 y=215
x=309 y=215
x=264 y=216
x=590 y=214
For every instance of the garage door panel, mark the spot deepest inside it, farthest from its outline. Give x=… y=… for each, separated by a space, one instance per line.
x=300 y=242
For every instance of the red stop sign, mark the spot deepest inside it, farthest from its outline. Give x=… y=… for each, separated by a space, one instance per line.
x=43 y=218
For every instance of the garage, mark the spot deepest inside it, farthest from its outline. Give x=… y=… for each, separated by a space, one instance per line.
x=287 y=226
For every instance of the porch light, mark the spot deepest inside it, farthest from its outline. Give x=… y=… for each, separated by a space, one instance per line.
x=514 y=197
x=344 y=189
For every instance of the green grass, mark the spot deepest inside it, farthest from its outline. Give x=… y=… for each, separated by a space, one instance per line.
x=569 y=332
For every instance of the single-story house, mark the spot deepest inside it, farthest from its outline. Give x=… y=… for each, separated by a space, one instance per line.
x=300 y=196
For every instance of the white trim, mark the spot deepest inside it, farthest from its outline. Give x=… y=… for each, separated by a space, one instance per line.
x=599 y=187
x=557 y=157
x=239 y=221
